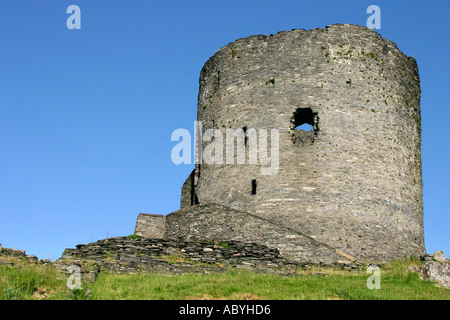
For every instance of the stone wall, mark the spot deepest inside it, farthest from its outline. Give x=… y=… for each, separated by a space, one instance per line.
x=150 y=225
x=188 y=195
x=355 y=183
x=131 y=255
x=220 y=223
x=20 y=255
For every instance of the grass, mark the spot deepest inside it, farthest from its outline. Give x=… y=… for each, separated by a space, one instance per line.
x=241 y=284
x=44 y=282
x=32 y=282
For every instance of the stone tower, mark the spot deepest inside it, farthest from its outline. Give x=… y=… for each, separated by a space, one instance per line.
x=354 y=181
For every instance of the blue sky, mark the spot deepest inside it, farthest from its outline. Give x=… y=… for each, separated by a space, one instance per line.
x=86 y=115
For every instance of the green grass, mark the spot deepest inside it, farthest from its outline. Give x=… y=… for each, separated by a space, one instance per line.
x=32 y=282
x=244 y=284
x=18 y=283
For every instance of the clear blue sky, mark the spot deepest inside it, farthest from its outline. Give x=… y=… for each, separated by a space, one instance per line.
x=86 y=115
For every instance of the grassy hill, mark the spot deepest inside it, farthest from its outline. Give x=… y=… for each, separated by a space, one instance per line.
x=24 y=281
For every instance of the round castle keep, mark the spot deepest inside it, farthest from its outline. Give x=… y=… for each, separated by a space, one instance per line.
x=354 y=181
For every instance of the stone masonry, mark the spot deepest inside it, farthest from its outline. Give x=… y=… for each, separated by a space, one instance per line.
x=150 y=225
x=354 y=182
x=138 y=254
x=220 y=223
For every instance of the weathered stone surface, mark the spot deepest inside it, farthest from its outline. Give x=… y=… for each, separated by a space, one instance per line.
x=434 y=271
x=220 y=223
x=12 y=257
x=150 y=225
x=439 y=256
x=4 y=262
x=436 y=256
x=175 y=256
x=354 y=182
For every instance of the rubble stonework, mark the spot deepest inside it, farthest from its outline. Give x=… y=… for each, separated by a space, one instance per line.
x=436 y=268
x=176 y=256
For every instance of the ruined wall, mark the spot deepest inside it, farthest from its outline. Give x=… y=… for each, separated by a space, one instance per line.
x=353 y=183
x=125 y=255
x=217 y=222
x=150 y=225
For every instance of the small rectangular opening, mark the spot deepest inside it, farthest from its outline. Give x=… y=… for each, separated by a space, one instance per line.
x=245 y=136
x=253 y=186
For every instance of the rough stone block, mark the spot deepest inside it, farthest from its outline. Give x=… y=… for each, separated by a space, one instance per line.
x=150 y=225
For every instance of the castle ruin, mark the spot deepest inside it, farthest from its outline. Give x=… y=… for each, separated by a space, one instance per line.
x=349 y=188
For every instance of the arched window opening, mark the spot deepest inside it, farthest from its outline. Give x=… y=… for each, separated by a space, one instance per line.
x=305 y=119
x=304 y=125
